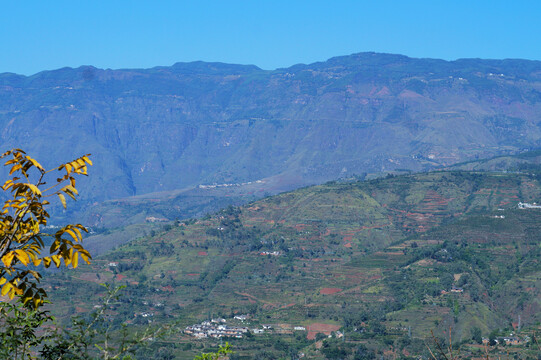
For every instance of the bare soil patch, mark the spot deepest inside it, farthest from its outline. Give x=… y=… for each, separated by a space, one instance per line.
x=326 y=329
x=329 y=291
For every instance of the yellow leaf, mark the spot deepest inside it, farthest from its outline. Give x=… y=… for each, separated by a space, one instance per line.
x=72 y=234
x=56 y=260
x=35 y=163
x=9 y=183
x=23 y=257
x=70 y=191
x=78 y=232
x=47 y=261
x=62 y=199
x=70 y=194
x=37 y=302
x=85 y=257
x=34 y=189
x=6 y=288
x=15 y=168
x=7 y=259
x=35 y=274
x=75 y=260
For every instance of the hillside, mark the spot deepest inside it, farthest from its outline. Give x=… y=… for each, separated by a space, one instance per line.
x=114 y=220
x=385 y=261
x=170 y=128
x=526 y=162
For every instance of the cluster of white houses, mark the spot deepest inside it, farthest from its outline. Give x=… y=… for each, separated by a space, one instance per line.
x=509 y=340
x=215 y=330
x=522 y=205
x=214 y=186
x=273 y=253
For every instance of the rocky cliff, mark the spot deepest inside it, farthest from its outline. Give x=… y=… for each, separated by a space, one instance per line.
x=201 y=123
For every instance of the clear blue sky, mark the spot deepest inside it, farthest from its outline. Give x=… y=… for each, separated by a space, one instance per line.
x=41 y=35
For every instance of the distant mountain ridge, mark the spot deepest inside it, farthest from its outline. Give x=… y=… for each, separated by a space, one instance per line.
x=168 y=128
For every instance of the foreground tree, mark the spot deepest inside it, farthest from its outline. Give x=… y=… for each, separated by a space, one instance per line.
x=27 y=333
x=24 y=246
x=22 y=219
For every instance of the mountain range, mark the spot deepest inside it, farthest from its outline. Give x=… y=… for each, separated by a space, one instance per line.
x=176 y=127
x=383 y=259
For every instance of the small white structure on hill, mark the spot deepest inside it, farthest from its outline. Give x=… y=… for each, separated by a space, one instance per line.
x=522 y=205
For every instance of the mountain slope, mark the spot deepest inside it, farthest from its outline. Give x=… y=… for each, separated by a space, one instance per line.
x=197 y=123
x=114 y=215
x=393 y=256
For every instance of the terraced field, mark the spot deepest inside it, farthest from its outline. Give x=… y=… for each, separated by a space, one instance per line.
x=384 y=261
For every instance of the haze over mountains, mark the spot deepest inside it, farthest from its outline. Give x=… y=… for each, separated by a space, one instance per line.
x=197 y=123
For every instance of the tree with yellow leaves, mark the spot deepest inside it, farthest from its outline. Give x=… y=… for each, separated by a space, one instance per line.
x=22 y=218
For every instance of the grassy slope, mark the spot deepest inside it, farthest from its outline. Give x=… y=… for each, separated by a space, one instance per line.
x=384 y=249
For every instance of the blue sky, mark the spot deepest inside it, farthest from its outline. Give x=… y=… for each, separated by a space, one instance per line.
x=41 y=35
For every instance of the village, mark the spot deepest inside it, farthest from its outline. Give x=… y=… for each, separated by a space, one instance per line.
x=512 y=339
x=217 y=328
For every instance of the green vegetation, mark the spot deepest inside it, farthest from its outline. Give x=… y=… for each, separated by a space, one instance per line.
x=26 y=330
x=383 y=261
